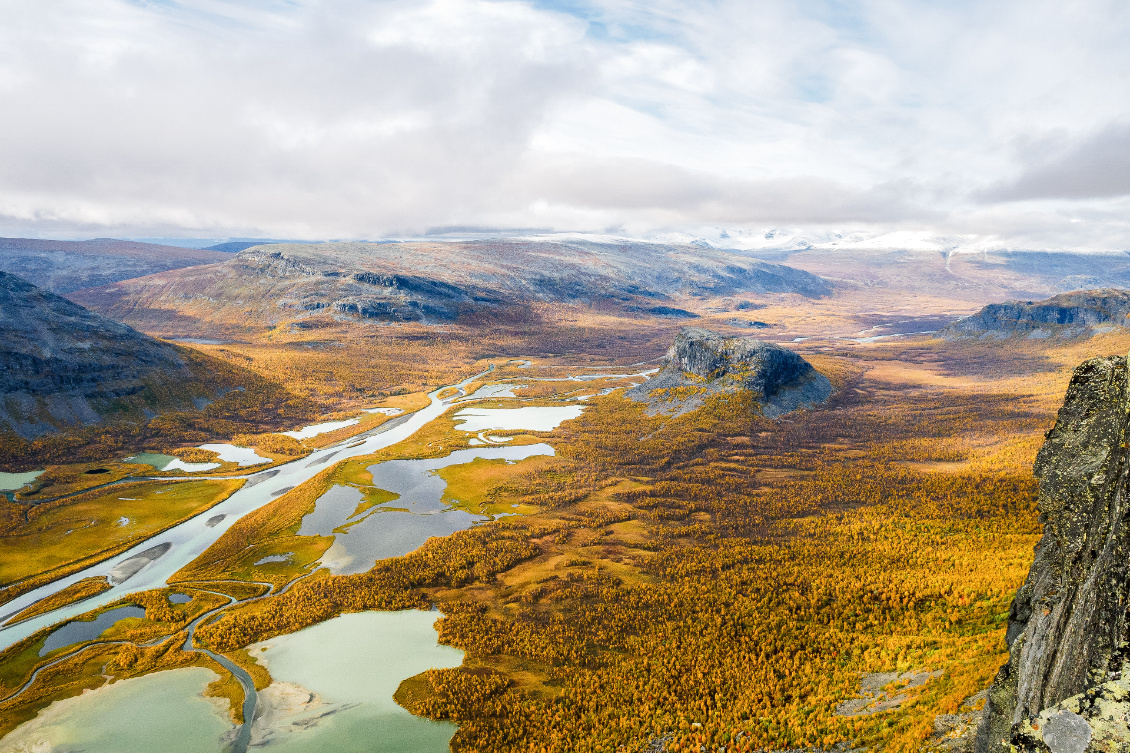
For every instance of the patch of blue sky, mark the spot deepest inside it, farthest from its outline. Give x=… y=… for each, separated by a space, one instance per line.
x=847 y=17
x=606 y=25
x=815 y=87
x=218 y=13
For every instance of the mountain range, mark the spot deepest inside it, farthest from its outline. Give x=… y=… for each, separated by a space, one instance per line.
x=66 y=266
x=439 y=282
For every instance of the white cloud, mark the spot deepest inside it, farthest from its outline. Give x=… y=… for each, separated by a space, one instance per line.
x=343 y=118
x=1063 y=167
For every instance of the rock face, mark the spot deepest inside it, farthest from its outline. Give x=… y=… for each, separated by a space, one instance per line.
x=1066 y=686
x=702 y=363
x=1066 y=315
x=61 y=364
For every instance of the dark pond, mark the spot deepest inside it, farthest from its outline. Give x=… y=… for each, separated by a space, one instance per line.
x=79 y=632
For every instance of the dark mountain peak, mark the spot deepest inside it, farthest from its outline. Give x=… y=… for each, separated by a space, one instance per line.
x=61 y=364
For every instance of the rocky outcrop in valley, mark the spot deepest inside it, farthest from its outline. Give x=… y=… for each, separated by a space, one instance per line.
x=703 y=363
x=1080 y=313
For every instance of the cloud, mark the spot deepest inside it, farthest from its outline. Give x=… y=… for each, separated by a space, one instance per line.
x=673 y=195
x=345 y=118
x=1096 y=166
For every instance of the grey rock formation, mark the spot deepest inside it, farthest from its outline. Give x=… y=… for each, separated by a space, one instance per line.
x=1065 y=686
x=703 y=363
x=1069 y=314
x=61 y=364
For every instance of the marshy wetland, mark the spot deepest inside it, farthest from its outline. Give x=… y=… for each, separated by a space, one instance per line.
x=405 y=503
x=713 y=578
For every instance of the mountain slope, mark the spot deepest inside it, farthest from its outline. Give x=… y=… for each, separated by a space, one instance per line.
x=437 y=282
x=62 y=365
x=64 y=266
x=1069 y=314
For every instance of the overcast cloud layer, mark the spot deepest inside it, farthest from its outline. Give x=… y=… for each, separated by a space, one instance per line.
x=349 y=119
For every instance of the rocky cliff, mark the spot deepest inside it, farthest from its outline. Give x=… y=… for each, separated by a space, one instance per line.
x=62 y=365
x=1066 y=686
x=702 y=363
x=1068 y=315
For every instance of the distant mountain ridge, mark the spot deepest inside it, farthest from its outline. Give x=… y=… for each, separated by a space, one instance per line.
x=66 y=266
x=981 y=267
x=1069 y=314
x=440 y=282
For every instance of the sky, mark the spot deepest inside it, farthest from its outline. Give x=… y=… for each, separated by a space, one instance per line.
x=1007 y=121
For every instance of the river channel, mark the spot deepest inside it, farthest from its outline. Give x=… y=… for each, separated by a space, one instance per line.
x=332 y=687
x=183 y=543
x=333 y=684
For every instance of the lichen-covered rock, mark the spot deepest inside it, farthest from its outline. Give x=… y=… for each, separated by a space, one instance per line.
x=703 y=363
x=1096 y=720
x=1067 y=630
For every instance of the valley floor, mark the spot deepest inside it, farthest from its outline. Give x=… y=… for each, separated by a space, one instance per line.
x=714 y=579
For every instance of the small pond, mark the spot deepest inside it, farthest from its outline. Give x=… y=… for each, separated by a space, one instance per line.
x=530 y=419
x=352 y=664
x=398 y=527
x=200 y=341
x=169 y=463
x=232 y=454
x=80 y=632
x=10 y=482
x=165 y=711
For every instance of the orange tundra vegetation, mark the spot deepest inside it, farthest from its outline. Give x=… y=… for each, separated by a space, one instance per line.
x=716 y=579
x=286 y=377
x=712 y=580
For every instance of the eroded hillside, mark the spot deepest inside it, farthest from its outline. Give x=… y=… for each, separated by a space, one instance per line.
x=472 y=282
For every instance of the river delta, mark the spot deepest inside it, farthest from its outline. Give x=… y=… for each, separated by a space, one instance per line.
x=332 y=684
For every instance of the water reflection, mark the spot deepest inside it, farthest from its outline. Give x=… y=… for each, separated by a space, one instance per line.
x=393 y=529
x=80 y=632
